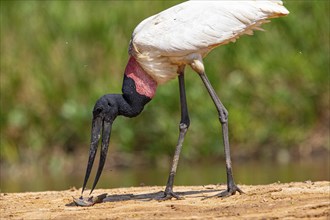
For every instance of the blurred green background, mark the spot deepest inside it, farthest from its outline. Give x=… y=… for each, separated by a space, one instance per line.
x=59 y=57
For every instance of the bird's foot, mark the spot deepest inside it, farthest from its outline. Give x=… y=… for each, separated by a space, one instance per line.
x=169 y=194
x=231 y=190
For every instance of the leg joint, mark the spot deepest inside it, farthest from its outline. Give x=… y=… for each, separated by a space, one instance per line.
x=223 y=119
x=223 y=115
x=184 y=125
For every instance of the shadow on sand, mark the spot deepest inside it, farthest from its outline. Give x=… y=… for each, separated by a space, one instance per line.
x=148 y=196
x=154 y=196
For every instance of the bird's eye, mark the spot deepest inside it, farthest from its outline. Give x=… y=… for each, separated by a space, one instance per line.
x=97 y=111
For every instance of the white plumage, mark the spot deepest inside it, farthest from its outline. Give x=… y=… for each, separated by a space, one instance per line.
x=187 y=32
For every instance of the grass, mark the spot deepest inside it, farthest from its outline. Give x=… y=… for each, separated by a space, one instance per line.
x=59 y=57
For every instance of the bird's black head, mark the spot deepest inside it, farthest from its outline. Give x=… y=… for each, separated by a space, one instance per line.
x=104 y=113
x=106 y=109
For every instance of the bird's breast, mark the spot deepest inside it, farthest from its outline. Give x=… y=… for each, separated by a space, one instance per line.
x=160 y=68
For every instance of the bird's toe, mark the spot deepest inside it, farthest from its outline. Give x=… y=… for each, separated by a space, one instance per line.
x=169 y=195
x=232 y=190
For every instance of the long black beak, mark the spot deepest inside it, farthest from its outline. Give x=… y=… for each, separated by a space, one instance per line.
x=97 y=124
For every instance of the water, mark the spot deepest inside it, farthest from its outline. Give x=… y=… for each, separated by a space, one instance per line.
x=197 y=174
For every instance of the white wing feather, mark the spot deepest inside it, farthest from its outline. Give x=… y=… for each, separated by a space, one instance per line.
x=183 y=32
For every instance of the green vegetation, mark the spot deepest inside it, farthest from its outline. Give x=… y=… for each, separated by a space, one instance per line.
x=59 y=57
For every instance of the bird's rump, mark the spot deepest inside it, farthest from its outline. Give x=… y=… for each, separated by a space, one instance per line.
x=175 y=36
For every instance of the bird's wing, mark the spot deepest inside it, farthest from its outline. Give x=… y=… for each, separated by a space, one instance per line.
x=199 y=26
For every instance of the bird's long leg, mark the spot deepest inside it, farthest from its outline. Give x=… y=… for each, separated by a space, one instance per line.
x=223 y=116
x=183 y=127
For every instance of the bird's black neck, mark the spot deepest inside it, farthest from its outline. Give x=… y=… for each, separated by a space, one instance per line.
x=132 y=103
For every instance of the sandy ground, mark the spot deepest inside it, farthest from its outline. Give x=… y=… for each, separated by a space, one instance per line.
x=310 y=200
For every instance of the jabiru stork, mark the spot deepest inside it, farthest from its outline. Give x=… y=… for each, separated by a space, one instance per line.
x=160 y=48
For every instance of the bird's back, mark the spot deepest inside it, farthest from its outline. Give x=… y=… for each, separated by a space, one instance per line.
x=175 y=36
